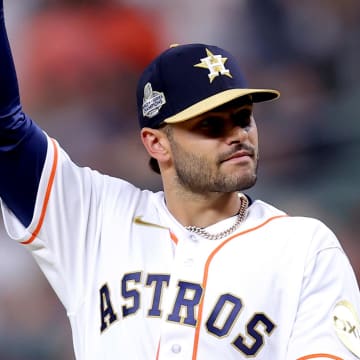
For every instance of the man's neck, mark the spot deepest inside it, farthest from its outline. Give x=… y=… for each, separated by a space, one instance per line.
x=201 y=210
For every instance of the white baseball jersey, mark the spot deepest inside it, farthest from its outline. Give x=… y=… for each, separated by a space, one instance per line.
x=137 y=285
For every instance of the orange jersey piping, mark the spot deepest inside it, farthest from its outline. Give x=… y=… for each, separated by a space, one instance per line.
x=35 y=233
x=205 y=278
x=318 y=356
x=158 y=350
x=174 y=238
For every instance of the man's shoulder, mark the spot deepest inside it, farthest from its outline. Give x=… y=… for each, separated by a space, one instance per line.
x=307 y=232
x=265 y=210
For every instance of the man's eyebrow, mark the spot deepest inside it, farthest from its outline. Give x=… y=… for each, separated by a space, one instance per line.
x=245 y=110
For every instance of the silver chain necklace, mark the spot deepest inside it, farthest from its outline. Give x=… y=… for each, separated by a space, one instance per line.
x=244 y=202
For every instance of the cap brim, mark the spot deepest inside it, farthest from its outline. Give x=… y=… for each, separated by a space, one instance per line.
x=258 y=95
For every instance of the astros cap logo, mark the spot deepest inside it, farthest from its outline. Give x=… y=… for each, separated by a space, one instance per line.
x=215 y=65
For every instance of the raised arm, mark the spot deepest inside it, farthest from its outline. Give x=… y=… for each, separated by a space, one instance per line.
x=23 y=145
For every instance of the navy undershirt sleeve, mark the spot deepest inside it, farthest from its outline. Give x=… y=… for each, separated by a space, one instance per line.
x=23 y=144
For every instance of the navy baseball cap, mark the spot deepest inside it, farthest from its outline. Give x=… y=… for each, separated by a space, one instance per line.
x=188 y=80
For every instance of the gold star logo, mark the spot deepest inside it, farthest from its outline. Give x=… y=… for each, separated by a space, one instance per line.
x=215 y=64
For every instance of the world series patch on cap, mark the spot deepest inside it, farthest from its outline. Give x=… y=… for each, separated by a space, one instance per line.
x=187 y=80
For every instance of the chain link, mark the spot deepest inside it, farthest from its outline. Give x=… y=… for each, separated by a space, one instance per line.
x=244 y=202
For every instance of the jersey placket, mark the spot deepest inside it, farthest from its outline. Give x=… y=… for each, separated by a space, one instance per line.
x=183 y=297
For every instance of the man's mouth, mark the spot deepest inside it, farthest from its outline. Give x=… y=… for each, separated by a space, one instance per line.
x=241 y=154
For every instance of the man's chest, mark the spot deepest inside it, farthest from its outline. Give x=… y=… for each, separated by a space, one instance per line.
x=187 y=286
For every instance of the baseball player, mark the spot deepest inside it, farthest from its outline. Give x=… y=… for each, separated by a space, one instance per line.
x=197 y=271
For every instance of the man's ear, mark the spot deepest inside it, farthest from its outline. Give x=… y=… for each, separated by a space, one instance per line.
x=156 y=143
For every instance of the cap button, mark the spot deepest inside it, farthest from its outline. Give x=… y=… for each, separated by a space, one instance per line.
x=173 y=45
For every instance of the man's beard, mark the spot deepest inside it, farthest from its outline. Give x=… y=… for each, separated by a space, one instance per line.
x=195 y=173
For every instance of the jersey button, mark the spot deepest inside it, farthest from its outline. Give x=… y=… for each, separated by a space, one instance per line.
x=176 y=348
x=194 y=238
x=189 y=262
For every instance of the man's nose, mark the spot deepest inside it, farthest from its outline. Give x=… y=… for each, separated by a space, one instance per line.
x=237 y=134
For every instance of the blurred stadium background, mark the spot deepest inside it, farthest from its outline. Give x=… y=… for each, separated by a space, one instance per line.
x=78 y=63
